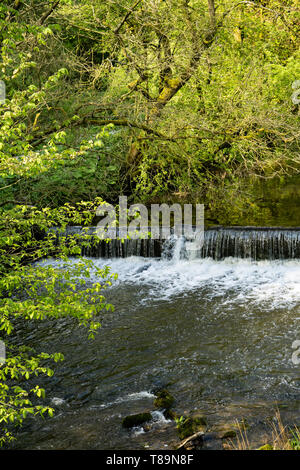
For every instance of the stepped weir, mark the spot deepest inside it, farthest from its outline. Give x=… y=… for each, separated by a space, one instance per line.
x=219 y=242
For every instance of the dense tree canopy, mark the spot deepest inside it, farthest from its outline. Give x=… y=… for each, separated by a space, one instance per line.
x=198 y=91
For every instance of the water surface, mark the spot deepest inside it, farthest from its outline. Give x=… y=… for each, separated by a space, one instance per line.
x=217 y=334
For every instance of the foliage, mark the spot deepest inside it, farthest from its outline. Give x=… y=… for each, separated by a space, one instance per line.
x=179 y=421
x=204 y=90
x=30 y=292
x=37 y=292
x=199 y=93
x=160 y=100
x=282 y=437
x=295 y=441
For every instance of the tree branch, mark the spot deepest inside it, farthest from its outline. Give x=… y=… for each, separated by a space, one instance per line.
x=91 y=119
x=123 y=122
x=126 y=17
x=212 y=13
x=49 y=12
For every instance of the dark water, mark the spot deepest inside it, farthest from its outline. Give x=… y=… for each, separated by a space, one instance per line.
x=217 y=334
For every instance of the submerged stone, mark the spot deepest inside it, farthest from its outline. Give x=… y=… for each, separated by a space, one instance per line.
x=228 y=434
x=136 y=420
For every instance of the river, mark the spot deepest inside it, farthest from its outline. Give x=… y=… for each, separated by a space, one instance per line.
x=217 y=334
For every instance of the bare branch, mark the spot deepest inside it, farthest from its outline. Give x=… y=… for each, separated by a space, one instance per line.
x=49 y=12
x=123 y=122
x=212 y=13
x=116 y=31
x=91 y=119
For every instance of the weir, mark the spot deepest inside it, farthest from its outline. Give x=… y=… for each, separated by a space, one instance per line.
x=255 y=243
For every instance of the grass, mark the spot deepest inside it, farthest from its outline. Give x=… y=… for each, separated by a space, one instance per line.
x=282 y=437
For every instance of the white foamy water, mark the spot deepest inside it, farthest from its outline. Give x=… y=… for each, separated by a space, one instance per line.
x=219 y=332
x=159 y=418
x=267 y=283
x=57 y=401
x=129 y=397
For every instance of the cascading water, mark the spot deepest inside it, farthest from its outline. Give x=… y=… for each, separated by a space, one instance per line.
x=174 y=248
x=214 y=327
x=257 y=243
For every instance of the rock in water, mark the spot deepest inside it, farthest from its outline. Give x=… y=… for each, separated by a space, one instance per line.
x=191 y=426
x=163 y=400
x=136 y=420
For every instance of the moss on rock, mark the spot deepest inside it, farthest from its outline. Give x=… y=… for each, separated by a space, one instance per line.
x=266 y=447
x=163 y=400
x=170 y=414
x=190 y=426
x=136 y=420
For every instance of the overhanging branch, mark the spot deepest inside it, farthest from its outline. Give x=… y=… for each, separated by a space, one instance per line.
x=49 y=12
x=117 y=29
